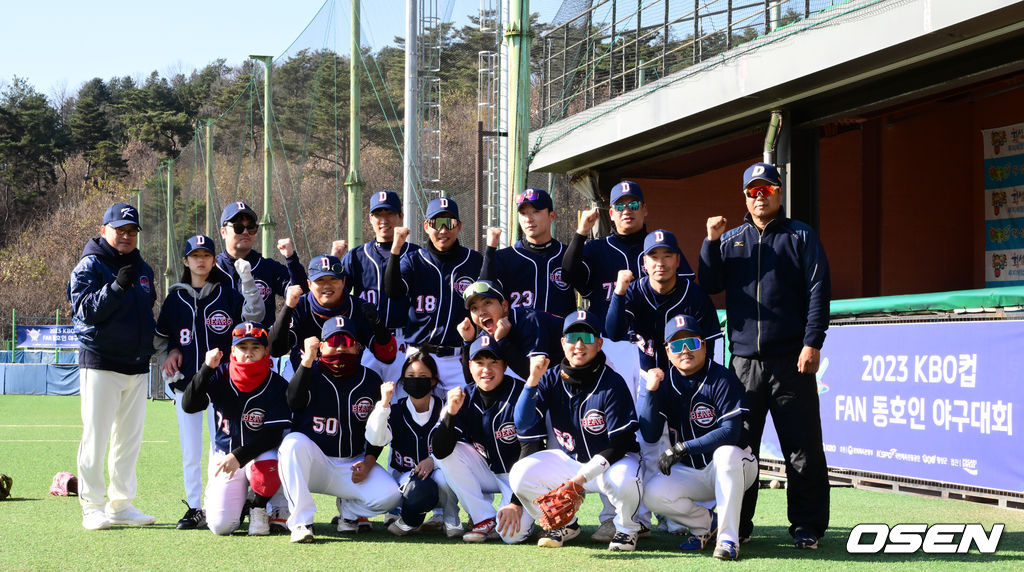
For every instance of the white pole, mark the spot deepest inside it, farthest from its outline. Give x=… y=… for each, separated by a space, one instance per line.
x=409 y=207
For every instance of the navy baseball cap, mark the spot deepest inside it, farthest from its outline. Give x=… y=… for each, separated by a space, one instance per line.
x=538 y=198
x=682 y=323
x=120 y=214
x=442 y=205
x=234 y=209
x=585 y=319
x=199 y=242
x=386 y=200
x=661 y=238
x=249 y=331
x=485 y=343
x=339 y=325
x=627 y=189
x=325 y=265
x=762 y=172
x=484 y=288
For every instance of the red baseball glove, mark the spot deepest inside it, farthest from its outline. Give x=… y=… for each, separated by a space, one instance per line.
x=64 y=484
x=559 y=505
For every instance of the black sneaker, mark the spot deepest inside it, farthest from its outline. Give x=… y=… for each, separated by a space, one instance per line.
x=805 y=539
x=558 y=537
x=194 y=518
x=623 y=542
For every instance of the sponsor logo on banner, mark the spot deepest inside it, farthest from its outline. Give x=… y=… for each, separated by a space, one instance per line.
x=48 y=336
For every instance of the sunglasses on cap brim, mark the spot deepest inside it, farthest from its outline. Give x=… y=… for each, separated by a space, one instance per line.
x=443 y=222
x=527 y=196
x=692 y=344
x=760 y=191
x=241 y=332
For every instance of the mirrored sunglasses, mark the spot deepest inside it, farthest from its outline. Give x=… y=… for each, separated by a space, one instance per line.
x=585 y=337
x=341 y=341
x=631 y=205
x=760 y=191
x=692 y=344
x=241 y=332
x=529 y=195
x=444 y=222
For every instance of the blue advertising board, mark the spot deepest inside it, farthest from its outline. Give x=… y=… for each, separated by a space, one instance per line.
x=936 y=401
x=48 y=336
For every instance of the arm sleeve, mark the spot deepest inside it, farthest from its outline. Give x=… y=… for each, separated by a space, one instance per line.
x=526 y=415
x=488 y=270
x=92 y=299
x=444 y=436
x=652 y=422
x=279 y=334
x=264 y=440
x=378 y=433
x=374 y=450
x=573 y=269
x=618 y=446
x=615 y=321
x=393 y=285
x=250 y=307
x=296 y=273
x=298 y=388
x=195 y=398
x=711 y=269
x=727 y=433
x=819 y=291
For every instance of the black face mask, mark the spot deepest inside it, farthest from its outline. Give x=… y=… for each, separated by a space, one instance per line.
x=416 y=387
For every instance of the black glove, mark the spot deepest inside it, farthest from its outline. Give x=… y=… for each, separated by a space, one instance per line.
x=126 y=277
x=670 y=456
x=380 y=332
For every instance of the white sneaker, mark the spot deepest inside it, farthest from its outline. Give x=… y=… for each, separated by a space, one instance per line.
x=95 y=519
x=399 y=528
x=454 y=530
x=346 y=526
x=302 y=533
x=131 y=516
x=259 y=522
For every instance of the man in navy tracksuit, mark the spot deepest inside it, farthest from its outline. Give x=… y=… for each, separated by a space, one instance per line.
x=530 y=271
x=112 y=295
x=776 y=279
x=238 y=229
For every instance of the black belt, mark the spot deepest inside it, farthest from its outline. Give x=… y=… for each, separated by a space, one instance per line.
x=439 y=351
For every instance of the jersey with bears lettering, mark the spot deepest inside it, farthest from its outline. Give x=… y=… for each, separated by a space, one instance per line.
x=272 y=278
x=602 y=260
x=410 y=441
x=696 y=405
x=335 y=415
x=492 y=430
x=240 y=415
x=435 y=290
x=193 y=326
x=533 y=333
x=645 y=312
x=531 y=279
x=308 y=319
x=365 y=266
x=583 y=422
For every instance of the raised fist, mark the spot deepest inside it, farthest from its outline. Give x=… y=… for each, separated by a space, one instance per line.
x=623 y=280
x=587 y=221
x=339 y=248
x=716 y=226
x=387 y=390
x=654 y=378
x=285 y=247
x=455 y=398
x=493 y=237
x=401 y=235
x=292 y=295
x=213 y=358
x=466 y=330
x=538 y=365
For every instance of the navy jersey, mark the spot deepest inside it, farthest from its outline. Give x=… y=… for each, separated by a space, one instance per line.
x=335 y=415
x=644 y=312
x=693 y=406
x=602 y=260
x=240 y=416
x=194 y=326
x=308 y=319
x=533 y=333
x=584 y=422
x=365 y=266
x=410 y=441
x=272 y=277
x=492 y=430
x=531 y=279
x=435 y=290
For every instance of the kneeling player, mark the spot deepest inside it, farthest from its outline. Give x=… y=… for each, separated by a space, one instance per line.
x=407 y=427
x=327 y=451
x=595 y=425
x=702 y=403
x=476 y=444
x=248 y=400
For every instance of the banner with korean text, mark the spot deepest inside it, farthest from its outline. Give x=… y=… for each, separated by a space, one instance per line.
x=1004 y=205
x=48 y=336
x=934 y=401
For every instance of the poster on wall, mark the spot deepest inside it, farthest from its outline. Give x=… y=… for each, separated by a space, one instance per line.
x=1004 y=205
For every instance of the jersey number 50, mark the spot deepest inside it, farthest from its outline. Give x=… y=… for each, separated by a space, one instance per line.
x=328 y=425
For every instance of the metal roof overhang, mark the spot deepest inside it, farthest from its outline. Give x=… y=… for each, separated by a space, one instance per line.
x=879 y=56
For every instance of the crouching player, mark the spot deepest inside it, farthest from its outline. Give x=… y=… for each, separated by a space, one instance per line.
x=709 y=460
x=595 y=425
x=248 y=400
x=475 y=445
x=407 y=427
x=332 y=397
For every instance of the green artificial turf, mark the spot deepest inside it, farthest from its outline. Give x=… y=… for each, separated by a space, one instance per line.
x=39 y=438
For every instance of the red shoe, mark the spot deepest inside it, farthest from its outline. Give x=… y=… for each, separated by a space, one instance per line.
x=481 y=531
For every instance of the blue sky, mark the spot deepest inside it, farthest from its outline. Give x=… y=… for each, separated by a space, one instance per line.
x=57 y=45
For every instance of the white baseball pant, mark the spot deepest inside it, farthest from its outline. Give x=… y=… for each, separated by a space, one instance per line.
x=190 y=436
x=475 y=486
x=114 y=410
x=731 y=471
x=225 y=496
x=545 y=470
x=306 y=469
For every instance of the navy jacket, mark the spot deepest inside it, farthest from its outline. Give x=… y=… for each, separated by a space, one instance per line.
x=115 y=327
x=777 y=286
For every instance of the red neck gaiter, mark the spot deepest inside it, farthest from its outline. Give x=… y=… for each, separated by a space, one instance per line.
x=247 y=376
